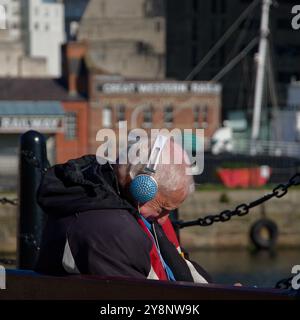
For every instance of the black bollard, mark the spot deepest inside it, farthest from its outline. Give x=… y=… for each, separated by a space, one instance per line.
x=33 y=161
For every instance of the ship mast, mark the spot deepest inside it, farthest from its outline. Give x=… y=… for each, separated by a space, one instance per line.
x=261 y=70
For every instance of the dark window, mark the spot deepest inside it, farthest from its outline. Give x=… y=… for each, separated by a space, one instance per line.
x=168 y=115
x=70 y=125
x=121 y=113
x=157 y=26
x=204 y=116
x=142 y=47
x=148 y=7
x=14 y=26
x=148 y=117
x=196 y=111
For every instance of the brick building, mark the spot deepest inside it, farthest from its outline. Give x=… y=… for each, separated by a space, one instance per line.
x=71 y=110
x=46 y=106
x=153 y=104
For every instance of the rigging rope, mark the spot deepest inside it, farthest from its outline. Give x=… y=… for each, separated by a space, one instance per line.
x=221 y=41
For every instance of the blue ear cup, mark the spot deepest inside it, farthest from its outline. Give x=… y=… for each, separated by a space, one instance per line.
x=143 y=188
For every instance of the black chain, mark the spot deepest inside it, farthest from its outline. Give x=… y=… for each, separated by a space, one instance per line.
x=33 y=161
x=8 y=262
x=242 y=209
x=13 y=202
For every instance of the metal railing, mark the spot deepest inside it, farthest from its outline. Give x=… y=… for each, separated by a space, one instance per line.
x=265 y=147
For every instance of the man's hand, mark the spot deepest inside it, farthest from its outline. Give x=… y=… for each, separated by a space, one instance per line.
x=238 y=284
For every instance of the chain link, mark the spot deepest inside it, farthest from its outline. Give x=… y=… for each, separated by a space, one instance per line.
x=33 y=161
x=8 y=262
x=242 y=209
x=13 y=202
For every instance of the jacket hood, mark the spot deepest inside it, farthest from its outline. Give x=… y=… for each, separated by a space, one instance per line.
x=80 y=185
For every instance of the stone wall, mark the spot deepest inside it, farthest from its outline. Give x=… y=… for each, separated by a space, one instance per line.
x=285 y=212
x=8 y=227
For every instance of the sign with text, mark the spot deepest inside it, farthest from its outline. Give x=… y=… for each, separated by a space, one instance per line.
x=159 y=87
x=21 y=123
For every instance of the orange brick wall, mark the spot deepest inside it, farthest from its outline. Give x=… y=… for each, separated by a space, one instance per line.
x=183 y=112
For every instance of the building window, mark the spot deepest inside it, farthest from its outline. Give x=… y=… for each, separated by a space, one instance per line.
x=148 y=8
x=157 y=26
x=36 y=11
x=107 y=117
x=204 y=117
x=14 y=26
x=196 y=112
x=36 y=26
x=70 y=125
x=121 y=116
x=142 y=47
x=168 y=115
x=148 y=117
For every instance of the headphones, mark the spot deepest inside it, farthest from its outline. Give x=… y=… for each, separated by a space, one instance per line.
x=144 y=187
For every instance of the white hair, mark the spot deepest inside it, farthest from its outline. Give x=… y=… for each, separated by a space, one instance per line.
x=170 y=174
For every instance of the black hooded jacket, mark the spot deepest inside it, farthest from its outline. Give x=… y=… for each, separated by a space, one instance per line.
x=92 y=229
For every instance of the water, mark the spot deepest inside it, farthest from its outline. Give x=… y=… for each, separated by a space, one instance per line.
x=263 y=269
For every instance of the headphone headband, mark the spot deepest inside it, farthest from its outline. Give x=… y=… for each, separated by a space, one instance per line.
x=156 y=151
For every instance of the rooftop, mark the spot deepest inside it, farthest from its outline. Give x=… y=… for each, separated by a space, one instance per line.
x=16 y=89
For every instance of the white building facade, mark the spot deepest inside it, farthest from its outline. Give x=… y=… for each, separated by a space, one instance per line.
x=11 y=20
x=11 y=49
x=44 y=32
